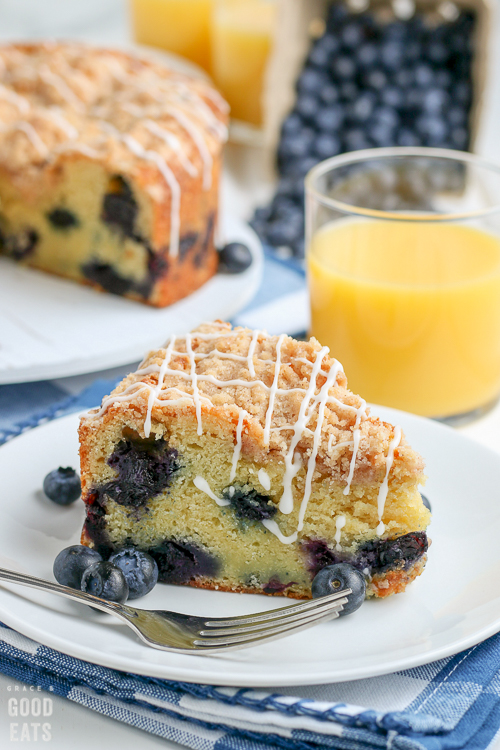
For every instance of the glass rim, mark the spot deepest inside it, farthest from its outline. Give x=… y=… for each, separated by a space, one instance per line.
x=352 y=157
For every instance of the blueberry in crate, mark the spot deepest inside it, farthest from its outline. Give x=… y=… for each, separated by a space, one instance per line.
x=406 y=137
x=372 y=82
x=292 y=124
x=72 y=562
x=62 y=486
x=337 y=577
x=352 y=35
x=367 y=55
x=323 y=51
x=343 y=68
x=329 y=94
x=311 y=81
x=105 y=580
x=330 y=118
x=296 y=145
x=363 y=107
x=306 y=106
x=139 y=569
x=327 y=145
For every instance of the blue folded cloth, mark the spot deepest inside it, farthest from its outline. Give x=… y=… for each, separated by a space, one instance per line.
x=453 y=703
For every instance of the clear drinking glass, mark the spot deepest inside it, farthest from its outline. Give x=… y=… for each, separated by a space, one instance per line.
x=403 y=258
x=241 y=42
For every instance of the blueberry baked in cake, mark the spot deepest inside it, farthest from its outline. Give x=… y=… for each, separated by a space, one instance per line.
x=109 y=168
x=240 y=461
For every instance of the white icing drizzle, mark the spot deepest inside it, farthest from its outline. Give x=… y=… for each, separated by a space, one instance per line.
x=356 y=434
x=153 y=395
x=237 y=447
x=311 y=464
x=273 y=390
x=81 y=147
x=67 y=93
x=194 y=380
x=251 y=352
x=133 y=88
x=175 y=211
x=18 y=101
x=291 y=465
x=339 y=525
x=199 y=141
x=203 y=485
x=264 y=479
x=343 y=444
x=273 y=527
x=384 y=487
x=201 y=108
x=171 y=140
x=61 y=123
x=30 y=132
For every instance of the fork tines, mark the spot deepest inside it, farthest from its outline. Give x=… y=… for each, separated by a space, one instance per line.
x=270 y=624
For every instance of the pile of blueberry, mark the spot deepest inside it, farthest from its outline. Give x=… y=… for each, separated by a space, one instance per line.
x=128 y=574
x=370 y=82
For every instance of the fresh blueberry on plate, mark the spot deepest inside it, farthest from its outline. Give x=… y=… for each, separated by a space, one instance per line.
x=234 y=257
x=337 y=577
x=62 y=486
x=72 y=562
x=105 y=580
x=139 y=569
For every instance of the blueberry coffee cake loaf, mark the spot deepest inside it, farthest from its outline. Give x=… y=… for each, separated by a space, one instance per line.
x=240 y=461
x=109 y=168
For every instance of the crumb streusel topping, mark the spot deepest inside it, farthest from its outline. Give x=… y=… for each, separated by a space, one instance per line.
x=290 y=395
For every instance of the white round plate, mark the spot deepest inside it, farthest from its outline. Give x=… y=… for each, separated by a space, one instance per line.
x=53 y=328
x=453 y=605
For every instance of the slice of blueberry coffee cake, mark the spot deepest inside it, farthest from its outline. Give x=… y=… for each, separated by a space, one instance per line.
x=109 y=169
x=240 y=461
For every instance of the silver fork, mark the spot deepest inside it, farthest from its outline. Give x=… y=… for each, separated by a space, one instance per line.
x=188 y=634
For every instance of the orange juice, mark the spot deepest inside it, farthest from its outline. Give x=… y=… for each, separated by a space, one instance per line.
x=412 y=311
x=241 y=37
x=180 y=26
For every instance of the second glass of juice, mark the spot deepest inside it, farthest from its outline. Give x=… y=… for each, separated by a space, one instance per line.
x=403 y=257
x=241 y=41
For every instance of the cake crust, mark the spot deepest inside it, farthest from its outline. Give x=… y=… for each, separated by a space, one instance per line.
x=75 y=116
x=272 y=456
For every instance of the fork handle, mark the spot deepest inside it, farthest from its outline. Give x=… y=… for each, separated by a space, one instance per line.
x=12 y=576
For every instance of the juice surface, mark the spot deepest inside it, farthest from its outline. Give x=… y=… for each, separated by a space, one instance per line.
x=241 y=41
x=411 y=310
x=180 y=26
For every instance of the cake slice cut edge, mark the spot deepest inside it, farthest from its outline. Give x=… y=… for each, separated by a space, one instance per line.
x=241 y=462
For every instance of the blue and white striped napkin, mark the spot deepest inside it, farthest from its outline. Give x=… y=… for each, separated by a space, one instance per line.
x=452 y=703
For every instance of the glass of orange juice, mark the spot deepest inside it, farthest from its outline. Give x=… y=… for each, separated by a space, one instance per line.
x=403 y=260
x=241 y=41
x=180 y=26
